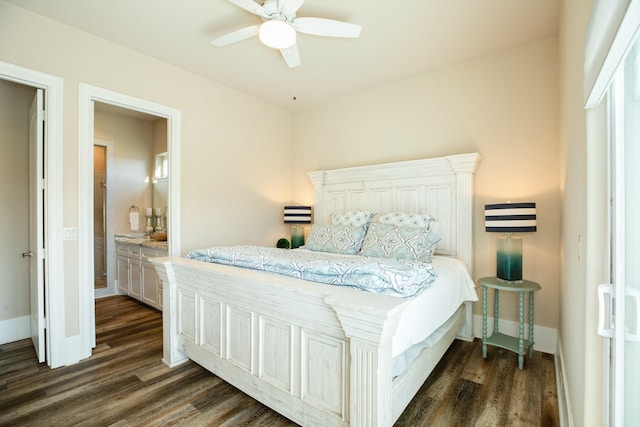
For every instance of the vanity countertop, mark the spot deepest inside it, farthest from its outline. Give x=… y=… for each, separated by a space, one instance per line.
x=142 y=241
x=149 y=243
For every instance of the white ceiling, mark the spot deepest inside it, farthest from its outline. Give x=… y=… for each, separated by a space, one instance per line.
x=399 y=39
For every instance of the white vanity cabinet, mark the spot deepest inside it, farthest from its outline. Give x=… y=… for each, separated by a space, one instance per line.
x=151 y=283
x=122 y=264
x=136 y=275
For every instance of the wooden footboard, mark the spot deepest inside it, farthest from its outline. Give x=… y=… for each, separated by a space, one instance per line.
x=316 y=357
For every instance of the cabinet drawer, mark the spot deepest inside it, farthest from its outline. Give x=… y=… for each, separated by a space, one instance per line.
x=131 y=251
x=134 y=251
x=146 y=253
x=122 y=250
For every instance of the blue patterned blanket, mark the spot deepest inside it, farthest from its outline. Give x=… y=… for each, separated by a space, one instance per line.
x=378 y=275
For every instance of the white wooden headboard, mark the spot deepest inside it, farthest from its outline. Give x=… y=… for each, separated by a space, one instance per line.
x=442 y=187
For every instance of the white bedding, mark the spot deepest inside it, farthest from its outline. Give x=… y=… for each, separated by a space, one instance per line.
x=433 y=306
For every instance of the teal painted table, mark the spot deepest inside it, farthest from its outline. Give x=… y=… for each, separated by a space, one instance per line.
x=498 y=339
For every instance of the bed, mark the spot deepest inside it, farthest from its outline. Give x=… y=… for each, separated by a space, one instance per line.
x=319 y=354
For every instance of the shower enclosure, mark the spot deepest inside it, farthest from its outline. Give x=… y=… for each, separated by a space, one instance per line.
x=99 y=216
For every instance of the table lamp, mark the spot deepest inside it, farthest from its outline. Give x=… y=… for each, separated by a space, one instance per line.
x=510 y=218
x=297 y=216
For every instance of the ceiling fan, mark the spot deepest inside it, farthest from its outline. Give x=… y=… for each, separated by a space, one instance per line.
x=280 y=26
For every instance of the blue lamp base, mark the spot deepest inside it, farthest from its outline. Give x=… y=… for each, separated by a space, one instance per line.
x=297 y=236
x=509 y=262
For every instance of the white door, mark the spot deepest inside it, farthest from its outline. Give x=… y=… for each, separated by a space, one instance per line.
x=620 y=320
x=36 y=224
x=627 y=275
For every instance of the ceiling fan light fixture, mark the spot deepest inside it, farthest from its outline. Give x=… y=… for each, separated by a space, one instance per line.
x=277 y=34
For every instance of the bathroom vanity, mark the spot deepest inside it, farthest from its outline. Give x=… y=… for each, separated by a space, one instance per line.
x=136 y=276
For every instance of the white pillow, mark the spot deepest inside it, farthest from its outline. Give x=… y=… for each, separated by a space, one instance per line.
x=408 y=219
x=353 y=218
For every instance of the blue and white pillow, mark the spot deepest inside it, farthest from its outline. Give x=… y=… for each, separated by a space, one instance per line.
x=399 y=242
x=336 y=238
x=412 y=220
x=407 y=219
x=353 y=218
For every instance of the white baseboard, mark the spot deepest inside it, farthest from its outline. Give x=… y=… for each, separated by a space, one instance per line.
x=106 y=292
x=15 y=329
x=564 y=403
x=545 y=339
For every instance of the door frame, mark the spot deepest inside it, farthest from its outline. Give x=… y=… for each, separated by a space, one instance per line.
x=109 y=244
x=54 y=296
x=89 y=94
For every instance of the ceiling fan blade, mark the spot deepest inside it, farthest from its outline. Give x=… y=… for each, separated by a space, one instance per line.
x=326 y=27
x=236 y=36
x=251 y=6
x=291 y=56
x=290 y=7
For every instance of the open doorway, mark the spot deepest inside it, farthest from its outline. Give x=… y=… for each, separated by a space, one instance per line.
x=22 y=251
x=16 y=252
x=89 y=98
x=125 y=149
x=45 y=284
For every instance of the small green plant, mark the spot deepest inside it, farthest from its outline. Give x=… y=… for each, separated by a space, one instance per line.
x=283 y=244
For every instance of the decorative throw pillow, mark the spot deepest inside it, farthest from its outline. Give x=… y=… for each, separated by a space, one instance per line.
x=407 y=219
x=391 y=241
x=354 y=218
x=336 y=238
x=412 y=220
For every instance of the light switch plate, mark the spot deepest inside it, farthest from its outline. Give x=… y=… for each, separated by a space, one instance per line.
x=71 y=233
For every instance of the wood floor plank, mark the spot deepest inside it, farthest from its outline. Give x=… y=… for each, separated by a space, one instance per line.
x=104 y=365
x=496 y=394
x=193 y=385
x=136 y=400
x=476 y=368
x=231 y=412
x=549 y=400
x=125 y=383
x=525 y=410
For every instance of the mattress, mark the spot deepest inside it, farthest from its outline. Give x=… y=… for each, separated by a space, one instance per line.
x=436 y=304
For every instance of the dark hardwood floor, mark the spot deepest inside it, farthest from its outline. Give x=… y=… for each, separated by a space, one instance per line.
x=124 y=383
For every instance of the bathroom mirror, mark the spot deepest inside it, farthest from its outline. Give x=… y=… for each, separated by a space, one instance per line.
x=159 y=191
x=160 y=194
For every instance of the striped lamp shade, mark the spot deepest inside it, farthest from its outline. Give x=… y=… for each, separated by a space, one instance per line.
x=297 y=214
x=510 y=217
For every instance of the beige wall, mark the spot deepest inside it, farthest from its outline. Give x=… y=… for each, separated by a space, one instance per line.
x=503 y=106
x=15 y=101
x=584 y=166
x=236 y=150
x=159 y=137
x=132 y=164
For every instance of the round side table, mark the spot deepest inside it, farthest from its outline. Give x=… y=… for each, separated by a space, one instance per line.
x=497 y=339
